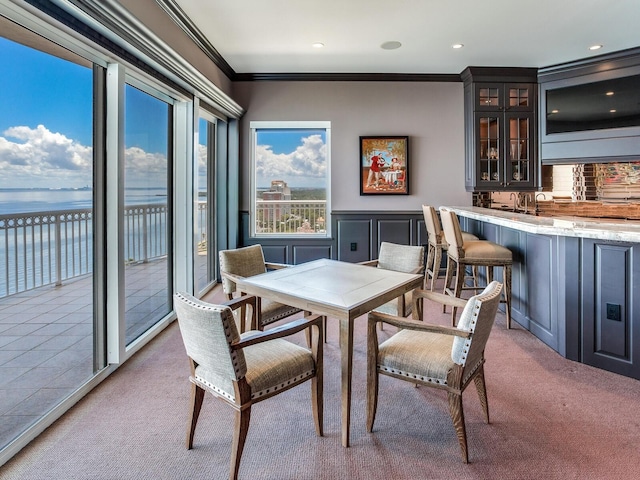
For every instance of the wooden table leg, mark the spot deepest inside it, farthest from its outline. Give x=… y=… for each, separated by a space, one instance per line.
x=346 y=357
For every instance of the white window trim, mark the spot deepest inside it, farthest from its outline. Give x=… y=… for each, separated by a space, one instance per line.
x=257 y=125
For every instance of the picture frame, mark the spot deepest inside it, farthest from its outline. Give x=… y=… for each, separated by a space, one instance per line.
x=384 y=165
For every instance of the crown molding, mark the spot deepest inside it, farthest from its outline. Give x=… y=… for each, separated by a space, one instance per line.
x=348 y=77
x=193 y=32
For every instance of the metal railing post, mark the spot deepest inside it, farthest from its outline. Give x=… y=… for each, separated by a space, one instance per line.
x=58 y=251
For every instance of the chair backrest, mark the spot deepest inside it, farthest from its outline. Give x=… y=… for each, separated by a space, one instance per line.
x=478 y=316
x=433 y=225
x=207 y=330
x=401 y=258
x=452 y=232
x=244 y=262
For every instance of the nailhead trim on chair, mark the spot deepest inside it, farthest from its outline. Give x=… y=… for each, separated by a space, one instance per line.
x=307 y=374
x=219 y=391
x=439 y=381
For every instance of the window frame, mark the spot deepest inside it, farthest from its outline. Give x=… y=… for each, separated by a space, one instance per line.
x=255 y=126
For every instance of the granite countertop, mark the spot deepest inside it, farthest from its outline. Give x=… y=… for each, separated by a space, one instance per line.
x=602 y=229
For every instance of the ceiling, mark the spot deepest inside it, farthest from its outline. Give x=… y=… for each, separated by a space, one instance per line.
x=276 y=36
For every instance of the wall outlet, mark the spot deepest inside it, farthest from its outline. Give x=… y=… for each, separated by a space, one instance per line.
x=613 y=312
x=354 y=246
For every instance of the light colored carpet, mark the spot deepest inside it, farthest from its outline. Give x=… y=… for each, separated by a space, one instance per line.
x=551 y=418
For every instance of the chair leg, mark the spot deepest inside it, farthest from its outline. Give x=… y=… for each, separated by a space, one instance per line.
x=239 y=436
x=482 y=392
x=317 y=384
x=457 y=416
x=197 y=397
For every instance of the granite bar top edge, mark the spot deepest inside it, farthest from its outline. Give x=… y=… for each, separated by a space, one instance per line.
x=569 y=226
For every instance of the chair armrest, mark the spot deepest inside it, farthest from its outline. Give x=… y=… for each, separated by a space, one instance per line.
x=279 y=332
x=369 y=263
x=242 y=301
x=231 y=276
x=276 y=266
x=375 y=317
x=439 y=298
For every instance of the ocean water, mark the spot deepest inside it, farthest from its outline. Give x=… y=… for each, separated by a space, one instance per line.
x=28 y=200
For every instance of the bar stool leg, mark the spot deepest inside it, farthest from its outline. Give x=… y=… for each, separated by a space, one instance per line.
x=458 y=291
x=436 y=265
x=447 y=280
x=506 y=272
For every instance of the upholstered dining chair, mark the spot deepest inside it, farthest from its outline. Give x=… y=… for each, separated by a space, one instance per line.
x=247 y=262
x=437 y=245
x=446 y=358
x=476 y=253
x=243 y=369
x=400 y=258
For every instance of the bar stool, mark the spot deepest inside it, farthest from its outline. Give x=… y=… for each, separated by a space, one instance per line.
x=475 y=253
x=437 y=244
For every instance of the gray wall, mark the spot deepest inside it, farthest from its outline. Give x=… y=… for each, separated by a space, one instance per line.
x=430 y=113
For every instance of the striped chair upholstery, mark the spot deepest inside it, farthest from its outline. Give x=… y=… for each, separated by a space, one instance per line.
x=436 y=356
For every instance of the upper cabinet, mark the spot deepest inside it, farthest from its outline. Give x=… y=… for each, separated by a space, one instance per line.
x=500 y=128
x=590 y=110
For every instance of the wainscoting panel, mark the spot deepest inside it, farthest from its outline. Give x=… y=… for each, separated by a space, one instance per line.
x=356 y=237
x=394 y=231
x=354 y=240
x=307 y=253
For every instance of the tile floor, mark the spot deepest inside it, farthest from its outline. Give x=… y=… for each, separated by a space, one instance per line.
x=46 y=341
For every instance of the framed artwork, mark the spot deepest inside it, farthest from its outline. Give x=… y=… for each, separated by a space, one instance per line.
x=384 y=165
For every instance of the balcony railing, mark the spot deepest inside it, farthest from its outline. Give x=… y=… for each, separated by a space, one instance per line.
x=42 y=248
x=290 y=217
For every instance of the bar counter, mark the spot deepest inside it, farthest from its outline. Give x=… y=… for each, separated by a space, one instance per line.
x=576 y=282
x=582 y=227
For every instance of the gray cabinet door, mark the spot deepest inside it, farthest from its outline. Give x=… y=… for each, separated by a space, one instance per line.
x=611 y=306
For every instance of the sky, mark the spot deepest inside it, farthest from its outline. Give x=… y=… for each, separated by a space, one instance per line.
x=46 y=125
x=297 y=156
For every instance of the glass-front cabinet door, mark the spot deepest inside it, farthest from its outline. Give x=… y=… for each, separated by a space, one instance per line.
x=489 y=148
x=504 y=136
x=519 y=152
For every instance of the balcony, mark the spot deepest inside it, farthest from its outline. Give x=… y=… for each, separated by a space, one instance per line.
x=284 y=217
x=46 y=303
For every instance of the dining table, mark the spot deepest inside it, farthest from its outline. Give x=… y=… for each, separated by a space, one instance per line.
x=335 y=289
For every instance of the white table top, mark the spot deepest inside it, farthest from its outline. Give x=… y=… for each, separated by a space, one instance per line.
x=331 y=287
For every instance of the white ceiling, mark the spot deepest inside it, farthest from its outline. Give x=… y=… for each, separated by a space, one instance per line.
x=276 y=36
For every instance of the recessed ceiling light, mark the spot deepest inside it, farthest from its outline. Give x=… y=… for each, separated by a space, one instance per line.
x=555 y=111
x=392 y=45
x=613 y=110
x=457 y=46
x=609 y=94
x=318 y=45
x=595 y=47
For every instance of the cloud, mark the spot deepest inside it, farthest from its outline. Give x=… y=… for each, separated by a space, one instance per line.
x=307 y=160
x=37 y=157
x=33 y=157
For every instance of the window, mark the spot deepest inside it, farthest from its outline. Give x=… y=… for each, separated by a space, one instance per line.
x=48 y=338
x=147 y=220
x=204 y=240
x=290 y=162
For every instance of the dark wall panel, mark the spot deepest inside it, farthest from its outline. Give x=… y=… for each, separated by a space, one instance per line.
x=354 y=240
x=394 y=231
x=275 y=253
x=307 y=253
